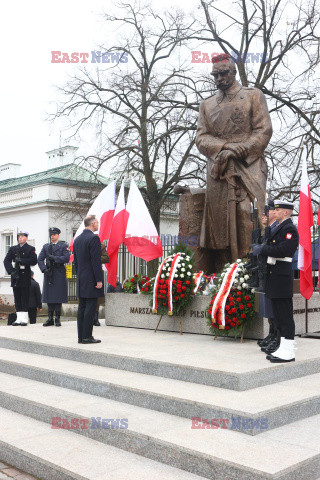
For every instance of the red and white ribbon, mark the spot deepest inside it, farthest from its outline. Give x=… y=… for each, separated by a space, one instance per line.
x=173 y=269
x=197 y=280
x=156 y=286
x=218 y=307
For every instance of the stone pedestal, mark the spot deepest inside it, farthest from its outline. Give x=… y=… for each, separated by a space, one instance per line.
x=134 y=311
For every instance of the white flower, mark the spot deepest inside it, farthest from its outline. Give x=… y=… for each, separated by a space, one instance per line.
x=222 y=274
x=178 y=265
x=189 y=273
x=183 y=264
x=167 y=274
x=239 y=288
x=187 y=257
x=252 y=290
x=183 y=269
x=162 y=276
x=238 y=260
x=190 y=266
x=236 y=274
x=241 y=279
x=246 y=277
x=245 y=285
x=181 y=276
x=176 y=276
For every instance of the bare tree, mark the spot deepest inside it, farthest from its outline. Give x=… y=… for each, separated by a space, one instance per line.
x=145 y=109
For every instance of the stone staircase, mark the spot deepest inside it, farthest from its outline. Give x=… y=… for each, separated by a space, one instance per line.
x=127 y=405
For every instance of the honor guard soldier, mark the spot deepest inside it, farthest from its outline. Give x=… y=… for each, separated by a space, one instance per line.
x=51 y=261
x=279 y=251
x=17 y=262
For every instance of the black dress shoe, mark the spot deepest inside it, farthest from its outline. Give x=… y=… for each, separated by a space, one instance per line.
x=90 y=340
x=79 y=341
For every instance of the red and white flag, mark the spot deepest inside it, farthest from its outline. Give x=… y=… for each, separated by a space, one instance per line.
x=142 y=239
x=103 y=209
x=318 y=223
x=305 y=222
x=117 y=236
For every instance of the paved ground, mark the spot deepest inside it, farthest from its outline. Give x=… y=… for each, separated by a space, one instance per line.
x=7 y=471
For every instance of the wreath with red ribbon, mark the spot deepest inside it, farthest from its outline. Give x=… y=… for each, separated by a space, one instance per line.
x=232 y=291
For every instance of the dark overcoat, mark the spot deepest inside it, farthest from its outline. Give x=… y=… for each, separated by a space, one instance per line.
x=87 y=261
x=283 y=242
x=34 y=295
x=55 y=289
x=29 y=258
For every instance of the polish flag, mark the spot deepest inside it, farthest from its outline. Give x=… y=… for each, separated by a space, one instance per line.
x=117 y=236
x=142 y=239
x=318 y=223
x=305 y=222
x=103 y=209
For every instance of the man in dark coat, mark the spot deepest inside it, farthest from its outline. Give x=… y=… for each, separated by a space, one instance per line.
x=23 y=256
x=87 y=260
x=34 y=300
x=279 y=251
x=51 y=261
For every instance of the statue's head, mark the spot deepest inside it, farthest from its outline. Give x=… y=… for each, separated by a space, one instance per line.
x=223 y=71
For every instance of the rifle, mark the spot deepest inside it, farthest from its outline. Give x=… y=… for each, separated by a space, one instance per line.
x=262 y=261
x=15 y=274
x=252 y=266
x=50 y=266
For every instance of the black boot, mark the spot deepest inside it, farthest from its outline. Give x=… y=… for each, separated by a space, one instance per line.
x=57 y=319
x=50 y=321
x=273 y=345
x=268 y=338
x=96 y=322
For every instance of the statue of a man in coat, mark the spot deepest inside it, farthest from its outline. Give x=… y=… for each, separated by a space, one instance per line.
x=51 y=261
x=234 y=128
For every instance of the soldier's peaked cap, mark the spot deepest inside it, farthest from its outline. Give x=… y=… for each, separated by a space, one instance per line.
x=22 y=232
x=54 y=230
x=284 y=204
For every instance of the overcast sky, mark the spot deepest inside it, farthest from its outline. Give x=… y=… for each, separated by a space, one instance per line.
x=29 y=31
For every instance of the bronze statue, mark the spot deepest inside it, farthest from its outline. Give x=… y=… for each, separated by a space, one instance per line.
x=234 y=128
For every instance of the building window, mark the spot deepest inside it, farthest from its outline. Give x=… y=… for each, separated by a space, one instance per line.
x=8 y=242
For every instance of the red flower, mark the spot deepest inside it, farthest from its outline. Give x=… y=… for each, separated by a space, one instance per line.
x=188 y=282
x=241 y=307
x=231 y=298
x=238 y=299
x=179 y=281
x=250 y=305
x=227 y=328
x=247 y=297
x=233 y=310
x=173 y=281
x=243 y=315
x=234 y=319
x=161 y=281
x=184 y=288
x=167 y=282
x=238 y=323
x=231 y=304
x=132 y=280
x=238 y=293
x=176 y=298
x=210 y=310
x=232 y=324
x=182 y=295
x=227 y=307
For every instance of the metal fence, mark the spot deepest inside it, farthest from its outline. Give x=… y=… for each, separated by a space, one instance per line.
x=128 y=265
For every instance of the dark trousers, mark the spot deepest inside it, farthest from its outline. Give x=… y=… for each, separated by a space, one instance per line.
x=21 y=298
x=283 y=316
x=32 y=312
x=54 y=307
x=85 y=317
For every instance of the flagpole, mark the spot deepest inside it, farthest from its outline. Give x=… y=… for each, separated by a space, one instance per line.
x=306 y=302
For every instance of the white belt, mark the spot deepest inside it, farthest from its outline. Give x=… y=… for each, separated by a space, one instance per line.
x=273 y=260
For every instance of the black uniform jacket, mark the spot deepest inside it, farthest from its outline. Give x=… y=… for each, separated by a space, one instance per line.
x=87 y=261
x=55 y=288
x=34 y=295
x=29 y=258
x=283 y=242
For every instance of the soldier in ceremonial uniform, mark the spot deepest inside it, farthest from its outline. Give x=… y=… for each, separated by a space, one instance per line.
x=23 y=256
x=279 y=251
x=51 y=261
x=272 y=341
